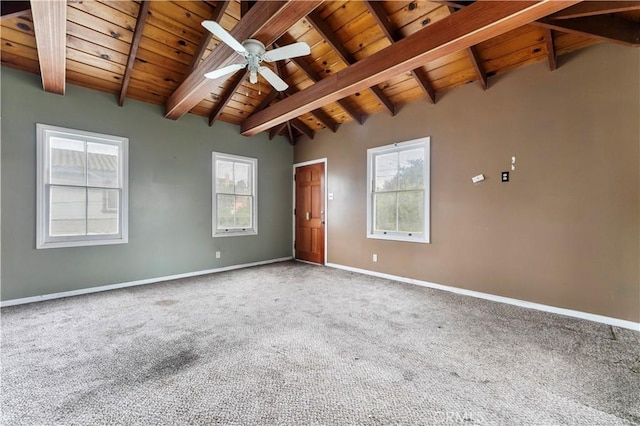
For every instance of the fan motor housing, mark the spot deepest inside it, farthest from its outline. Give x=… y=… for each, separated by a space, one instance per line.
x=254 y=47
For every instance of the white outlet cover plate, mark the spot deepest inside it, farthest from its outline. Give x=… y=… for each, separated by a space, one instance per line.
x=477 y=179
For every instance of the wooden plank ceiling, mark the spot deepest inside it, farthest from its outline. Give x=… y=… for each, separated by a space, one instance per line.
x=158 y=52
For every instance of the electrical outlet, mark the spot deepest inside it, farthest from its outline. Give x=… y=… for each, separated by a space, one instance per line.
x=375 y=257
x=505 y=176
x=218 y=255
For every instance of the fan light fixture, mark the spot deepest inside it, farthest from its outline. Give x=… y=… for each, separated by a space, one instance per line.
x=254 y=52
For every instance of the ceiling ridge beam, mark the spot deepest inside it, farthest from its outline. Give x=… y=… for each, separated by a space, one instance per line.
x=332 y=40
x=606 y=28
x=470 y=26
x=133 y=51
x=382 y=18
x=591 y=8
x=217 y=14
x=228 y=94
x=50 y=26
x=266 y=21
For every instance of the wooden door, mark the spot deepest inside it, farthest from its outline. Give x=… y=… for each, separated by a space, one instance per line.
x=310 y=213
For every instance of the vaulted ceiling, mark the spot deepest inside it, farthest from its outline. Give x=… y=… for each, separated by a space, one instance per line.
x=366 y=57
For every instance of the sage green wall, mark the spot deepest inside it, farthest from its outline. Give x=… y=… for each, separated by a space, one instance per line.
x=565 y=231
x=169 y=192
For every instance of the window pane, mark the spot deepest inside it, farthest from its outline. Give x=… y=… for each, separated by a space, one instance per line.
x=243 y=212
x=226 y=211
x=411 y=211
x=67 y=162
x=242 y=175
x=386 y=172
x=386 y=209
x=67 y=213
x=102 y=167
x=411 y=173
x=224 y=177
x=103 y=211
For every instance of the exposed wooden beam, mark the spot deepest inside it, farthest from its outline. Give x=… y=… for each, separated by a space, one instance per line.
x=310 y=72
x=476 y=61
x=11 y=9
x=591 y=8
x=266 y=21
x=325 y=119
x=292 y=136
x=245 y=6
x=50 y=26
x=217 y=14
x=306 y=130
x=330 y=37
x=133 y=51
x=424 y=83
x=384 y=100
x=380 y=15
x=266 y=101
x=454 y=4
x=551 y=49
x=583 y=19
x=606 y=27
x=277 y=129
x=228 y=94
x=322 y=116
x=470 y=26
x=281 y=95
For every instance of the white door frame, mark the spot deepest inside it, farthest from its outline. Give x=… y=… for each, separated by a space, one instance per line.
x=326 y=205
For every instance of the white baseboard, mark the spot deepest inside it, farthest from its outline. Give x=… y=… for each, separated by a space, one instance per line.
x=44 y=297
x=522 y=303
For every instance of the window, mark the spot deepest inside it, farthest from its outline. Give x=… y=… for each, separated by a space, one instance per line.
x=234 y=195
x=398 y=191
x=82 y=188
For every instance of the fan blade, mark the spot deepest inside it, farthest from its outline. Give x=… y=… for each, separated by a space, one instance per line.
x=273 y=79
x=222 y=34
x=286 y=52
x=224 y=71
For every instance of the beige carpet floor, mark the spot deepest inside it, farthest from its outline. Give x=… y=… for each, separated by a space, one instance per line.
x=295 y=344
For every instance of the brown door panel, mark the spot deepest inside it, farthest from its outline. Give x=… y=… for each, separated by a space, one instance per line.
x=310 y=211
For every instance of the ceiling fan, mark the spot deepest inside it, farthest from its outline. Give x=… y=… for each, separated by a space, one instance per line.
x=254 y=53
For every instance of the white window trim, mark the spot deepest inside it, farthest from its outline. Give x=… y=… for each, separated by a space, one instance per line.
x=371 y=154
x=215 y=233
x=43 y=240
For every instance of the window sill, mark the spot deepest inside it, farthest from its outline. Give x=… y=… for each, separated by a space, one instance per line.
x=81 y=243
x=235 y=234
x=398 y=238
